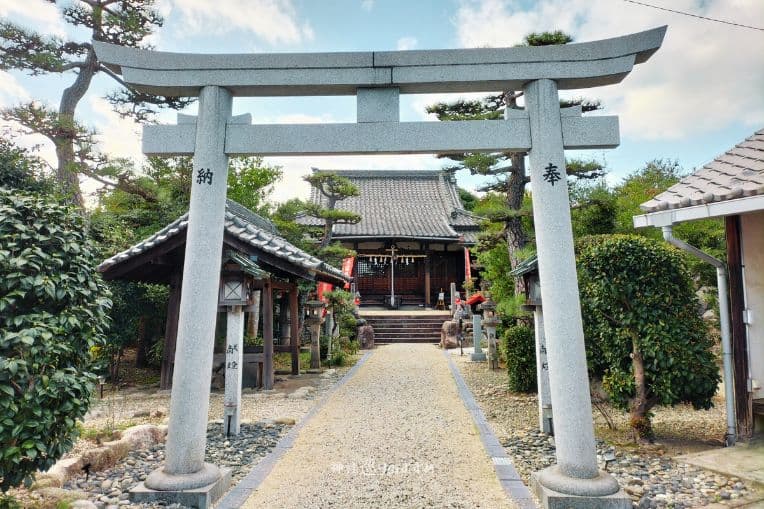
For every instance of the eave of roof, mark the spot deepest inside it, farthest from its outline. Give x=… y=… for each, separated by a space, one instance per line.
x=249 y=229
x=732 y=183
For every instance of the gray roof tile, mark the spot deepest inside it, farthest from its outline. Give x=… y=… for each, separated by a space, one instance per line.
x=735 y=174
x=245 y=226
x=404 y=204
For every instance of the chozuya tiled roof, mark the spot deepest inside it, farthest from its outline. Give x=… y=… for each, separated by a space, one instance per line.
x=247 y=227
x=735 y=174
x=420 y=204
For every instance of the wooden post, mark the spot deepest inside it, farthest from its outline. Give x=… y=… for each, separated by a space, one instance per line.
x=171 y=332
x=267 y=298
x=427 y=290
x=294 y=333
x=743 y=400
x=284 y=331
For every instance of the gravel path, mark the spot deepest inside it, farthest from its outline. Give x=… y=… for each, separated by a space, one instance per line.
x=395 y=435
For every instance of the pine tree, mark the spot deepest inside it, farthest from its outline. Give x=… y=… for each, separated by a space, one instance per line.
x=124 y=22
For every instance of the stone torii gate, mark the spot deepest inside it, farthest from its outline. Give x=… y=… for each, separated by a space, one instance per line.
x=377 y=79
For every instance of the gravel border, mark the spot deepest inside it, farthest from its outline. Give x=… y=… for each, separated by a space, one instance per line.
x=509 y=479
x=237 y=496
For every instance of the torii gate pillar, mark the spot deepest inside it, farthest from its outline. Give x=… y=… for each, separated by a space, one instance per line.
x=575 y=480
x=184 y=467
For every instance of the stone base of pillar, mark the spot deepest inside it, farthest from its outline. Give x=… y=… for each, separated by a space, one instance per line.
x=478 y=357
x=202 y=497
x=601 y=492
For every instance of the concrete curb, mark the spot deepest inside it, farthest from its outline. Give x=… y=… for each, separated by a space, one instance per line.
x=508 y=477
x=244 y=489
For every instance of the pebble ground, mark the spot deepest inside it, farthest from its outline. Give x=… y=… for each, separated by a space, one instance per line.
x=650 y=476
x=395 y=435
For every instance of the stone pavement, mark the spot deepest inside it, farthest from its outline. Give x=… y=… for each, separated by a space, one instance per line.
x=396 y=434
x=745 y=461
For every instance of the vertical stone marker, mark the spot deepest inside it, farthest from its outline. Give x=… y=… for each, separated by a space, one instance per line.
x=542 y=373
x=234 y=357
x=477 y=335
x=184 y=467
x=575 y=480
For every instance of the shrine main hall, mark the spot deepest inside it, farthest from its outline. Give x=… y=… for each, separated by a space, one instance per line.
x=414 y=236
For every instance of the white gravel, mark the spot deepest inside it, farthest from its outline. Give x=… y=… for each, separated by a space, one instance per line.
x=395 y=435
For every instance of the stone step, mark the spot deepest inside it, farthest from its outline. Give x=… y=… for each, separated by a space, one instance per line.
x=396 y=328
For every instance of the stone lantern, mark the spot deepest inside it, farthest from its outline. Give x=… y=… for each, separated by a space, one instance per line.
x=490 y=321
x=313 y=316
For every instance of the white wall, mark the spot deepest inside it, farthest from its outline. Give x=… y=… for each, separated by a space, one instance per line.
x=752 y=229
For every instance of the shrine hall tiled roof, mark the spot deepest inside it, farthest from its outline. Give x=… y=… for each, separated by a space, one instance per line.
x=420 y=204
x=737 y=173
x=248 y=228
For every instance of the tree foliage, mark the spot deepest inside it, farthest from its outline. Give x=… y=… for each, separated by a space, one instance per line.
x=334 y=189
x=644 y=336
x=53 y=311
x=123 y=22
x=21 y=170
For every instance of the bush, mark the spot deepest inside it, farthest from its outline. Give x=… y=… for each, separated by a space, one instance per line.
x=644 y=336
x=519 y=348
x=52 y=314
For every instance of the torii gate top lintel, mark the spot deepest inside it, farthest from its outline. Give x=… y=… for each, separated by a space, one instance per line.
x=580 y=65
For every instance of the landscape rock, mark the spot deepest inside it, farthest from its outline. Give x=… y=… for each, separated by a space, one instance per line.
x=449 y=334
x=366 y=336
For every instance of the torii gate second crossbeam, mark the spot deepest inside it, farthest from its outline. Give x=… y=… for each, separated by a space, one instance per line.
x=377 y=79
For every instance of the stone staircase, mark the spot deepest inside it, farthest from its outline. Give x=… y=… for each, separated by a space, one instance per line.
x=402 y=327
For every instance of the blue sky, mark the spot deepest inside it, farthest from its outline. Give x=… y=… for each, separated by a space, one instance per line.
x=699 y=95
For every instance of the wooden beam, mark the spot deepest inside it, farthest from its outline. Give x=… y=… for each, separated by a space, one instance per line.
x=267 y=298
x=284 y=319
x=294 y=335
x=171 y=331
x=743 y=399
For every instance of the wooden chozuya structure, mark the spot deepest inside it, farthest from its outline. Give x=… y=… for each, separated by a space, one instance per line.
x=413 y=237
x=252 y=252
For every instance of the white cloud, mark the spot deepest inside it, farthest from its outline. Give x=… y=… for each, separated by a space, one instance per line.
x=367 y=5
x=118 y=137
x=274 y=21
x=11 y=91
x=43 y=16
x=405 y=43
x=706 y=76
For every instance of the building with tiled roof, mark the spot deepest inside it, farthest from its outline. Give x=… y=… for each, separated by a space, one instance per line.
x=252 y=252
x=731 y=188
x=416 y=217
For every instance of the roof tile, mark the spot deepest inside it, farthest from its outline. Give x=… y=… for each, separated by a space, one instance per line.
x=737 y=173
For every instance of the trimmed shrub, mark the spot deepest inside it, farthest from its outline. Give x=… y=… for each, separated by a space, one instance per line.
x=53 y=311
x=644 y=336
x=519 y=347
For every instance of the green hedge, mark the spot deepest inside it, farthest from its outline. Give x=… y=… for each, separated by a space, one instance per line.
x=519 y=346
x=53 y=311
